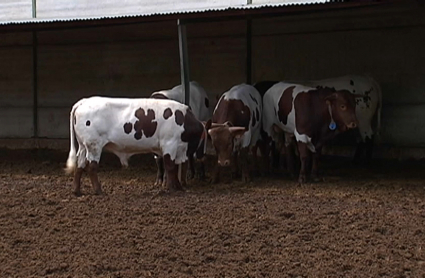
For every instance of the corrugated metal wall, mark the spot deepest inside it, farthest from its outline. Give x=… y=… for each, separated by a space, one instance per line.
x=15 y=9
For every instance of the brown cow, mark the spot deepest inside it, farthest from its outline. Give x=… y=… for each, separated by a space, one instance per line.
x=235 y=127
x=312 y=115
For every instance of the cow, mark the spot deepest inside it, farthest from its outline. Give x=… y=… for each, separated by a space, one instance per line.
x=235 y=127
x=126 y=126
x=367 y=108
x=199 y=104
x=310 y=115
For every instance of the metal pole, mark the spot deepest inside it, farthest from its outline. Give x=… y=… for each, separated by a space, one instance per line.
x=34 y=8
x=184 y=61
x=249 y=51
x=35 y=83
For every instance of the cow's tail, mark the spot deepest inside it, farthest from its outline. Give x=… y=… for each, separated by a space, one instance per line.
x=72 y=157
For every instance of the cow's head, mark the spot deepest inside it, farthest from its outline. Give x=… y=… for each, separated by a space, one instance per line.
x=223 y=138
x=342 y=108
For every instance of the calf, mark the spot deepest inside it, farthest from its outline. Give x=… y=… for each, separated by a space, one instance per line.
x=313 y=116
x=199 y=104
x=235 y=127
x=130 y=126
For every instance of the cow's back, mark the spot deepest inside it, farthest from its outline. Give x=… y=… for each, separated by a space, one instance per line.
x=199 y=101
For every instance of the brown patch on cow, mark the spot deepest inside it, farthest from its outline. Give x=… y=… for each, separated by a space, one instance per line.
x=145 y=125
x=88 y=123
x=234 y=111
x=179 y=117
x=128 y=127
x=285 y=104
x=193 y=134
x=207 y=102
x=167 y=113
x=159 y=96
x=303 y=120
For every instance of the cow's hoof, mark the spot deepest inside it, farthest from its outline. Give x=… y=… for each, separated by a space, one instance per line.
x=158 y=182
x=99 y=193
x=301 y=180
x=78 y=193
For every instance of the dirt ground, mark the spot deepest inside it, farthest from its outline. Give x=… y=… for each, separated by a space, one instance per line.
x=359 y=222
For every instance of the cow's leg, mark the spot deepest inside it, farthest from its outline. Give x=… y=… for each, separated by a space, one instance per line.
x=304 y=154
x=216 y=173
x=246 y=177
x=369 y=148
x=172 y=170
x=94 y=151
x=93 y=167
x=275 y=153
x=254 y=150
x=192 y=172
x=360 y=147
x=236 y=168
x=265 y=151
x=183 y=173
x=315 y=166
x=77 y=181
x=160 y=170
x=81 y=164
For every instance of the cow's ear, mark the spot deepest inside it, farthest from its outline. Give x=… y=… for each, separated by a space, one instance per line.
x=237 y=131
x=332 y=97
x=208 y=124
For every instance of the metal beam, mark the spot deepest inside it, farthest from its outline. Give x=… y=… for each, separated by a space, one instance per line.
x=34 y=8
x=35 y=83
x=184 y=61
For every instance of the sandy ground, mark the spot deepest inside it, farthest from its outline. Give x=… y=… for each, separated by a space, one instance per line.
x=359 y=222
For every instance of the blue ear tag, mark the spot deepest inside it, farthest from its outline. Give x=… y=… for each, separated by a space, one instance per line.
x=332 y=125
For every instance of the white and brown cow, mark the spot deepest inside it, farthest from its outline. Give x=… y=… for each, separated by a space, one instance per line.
x=368 y=107
x=235 y=127
x=126 y=127
x=313 y=116
x=199 y=104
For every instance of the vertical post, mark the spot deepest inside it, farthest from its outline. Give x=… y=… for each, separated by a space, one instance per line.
x=249 y=51
x=34 y=8
x=184 y=60
x=34 y=83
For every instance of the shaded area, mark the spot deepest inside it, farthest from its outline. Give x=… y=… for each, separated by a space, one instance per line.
x=359 y=222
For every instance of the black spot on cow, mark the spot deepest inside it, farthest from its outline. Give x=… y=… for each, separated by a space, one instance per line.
x=88 y=123
x=167 y=113
x=253 y=99
x=159 y=96
x=145 y=125
x=257 y=113
x=351 y=82
x=128 y=127
x=179 y=117
x=207 y=102
x=254 y=120
x=367 y=97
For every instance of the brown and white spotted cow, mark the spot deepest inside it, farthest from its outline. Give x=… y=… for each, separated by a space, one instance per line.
x=199 y=104
x=126 y=127
x=235 y=127
x=368 y=107
x=313 y=116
